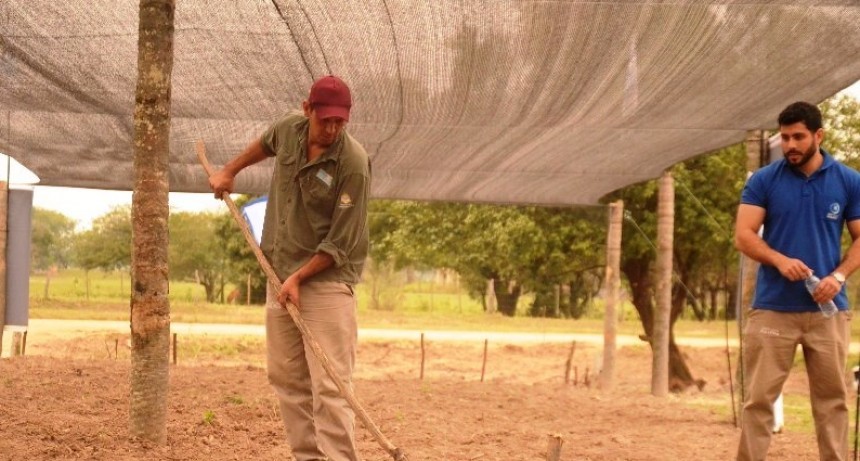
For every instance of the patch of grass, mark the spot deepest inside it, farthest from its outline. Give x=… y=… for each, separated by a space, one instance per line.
x=235 y=400
x=218 y=348
x=208 y=417
x=797 y=408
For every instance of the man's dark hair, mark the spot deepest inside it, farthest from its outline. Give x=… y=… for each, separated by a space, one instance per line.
x=801 y=112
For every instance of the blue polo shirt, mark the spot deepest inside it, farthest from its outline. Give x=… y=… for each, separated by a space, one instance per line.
x=804 y=219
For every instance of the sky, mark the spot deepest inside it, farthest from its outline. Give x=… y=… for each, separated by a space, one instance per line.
x=84 y=205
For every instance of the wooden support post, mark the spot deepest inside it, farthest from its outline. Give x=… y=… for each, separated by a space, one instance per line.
x=174 y=348
x=569 y=362
x=115 y=348
x=662 y=317
x=421 y=377
x=484 y=363
x=248 y=291
x=16 y=343
x=553 y=449
x=612 y=282
x=24 y=344
x=4 y=193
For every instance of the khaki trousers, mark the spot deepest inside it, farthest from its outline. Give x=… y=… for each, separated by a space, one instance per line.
x=320 y=423
x=770 y=341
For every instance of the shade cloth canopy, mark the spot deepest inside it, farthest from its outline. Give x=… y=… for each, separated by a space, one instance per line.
x=528 y=102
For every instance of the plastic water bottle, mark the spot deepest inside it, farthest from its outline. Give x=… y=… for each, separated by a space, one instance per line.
x=828 y=309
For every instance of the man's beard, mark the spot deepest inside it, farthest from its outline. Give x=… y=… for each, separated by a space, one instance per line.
x=807 y=156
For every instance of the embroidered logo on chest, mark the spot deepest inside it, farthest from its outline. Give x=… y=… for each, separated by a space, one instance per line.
x=833 y=213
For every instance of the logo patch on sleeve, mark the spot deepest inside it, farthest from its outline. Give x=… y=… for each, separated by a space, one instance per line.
x=345 y=201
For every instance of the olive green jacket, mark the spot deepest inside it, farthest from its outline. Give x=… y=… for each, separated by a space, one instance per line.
x=317 y=207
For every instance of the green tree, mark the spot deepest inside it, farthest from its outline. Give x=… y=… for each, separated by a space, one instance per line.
x=239 y=260
x=107 y=245
x=707 y=190
x=568 y=249
x=474 y=240
x=519 y=248
x=51 y=239
x=196 y=252
x=842 y=128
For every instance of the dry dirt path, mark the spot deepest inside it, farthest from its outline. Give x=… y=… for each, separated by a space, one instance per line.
x=52 y=329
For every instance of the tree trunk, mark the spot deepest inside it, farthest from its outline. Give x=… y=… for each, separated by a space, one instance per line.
x=490 y=303
x=662 y=321
x=208 y=283
x=150 y=308
x=714 y=301
x=642 y=297
x=507 y=295
x=641 y=292
x=680 y=376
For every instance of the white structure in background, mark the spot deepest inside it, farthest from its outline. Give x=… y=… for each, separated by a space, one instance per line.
x=778 y=415
x=254 y=213
x=19 y=226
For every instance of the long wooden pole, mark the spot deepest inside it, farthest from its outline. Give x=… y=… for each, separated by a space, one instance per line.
x=662 y=319
x=317 y=350
x=613 y=289
x=4 y=194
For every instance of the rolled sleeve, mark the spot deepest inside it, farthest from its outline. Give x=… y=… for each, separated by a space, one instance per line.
x=347 y=239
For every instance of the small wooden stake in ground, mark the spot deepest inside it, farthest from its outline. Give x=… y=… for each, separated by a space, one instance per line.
x=17 y=338
x=174 y=348
x=484 y=364
x=569 y=362
x=553 y=449
x=421 y=377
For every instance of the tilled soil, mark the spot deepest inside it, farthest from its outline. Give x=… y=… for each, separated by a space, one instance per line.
x=69 y=400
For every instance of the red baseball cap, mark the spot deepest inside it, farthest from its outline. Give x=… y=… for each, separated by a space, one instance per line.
x=330 y=97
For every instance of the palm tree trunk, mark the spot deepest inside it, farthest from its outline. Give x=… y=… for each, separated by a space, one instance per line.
x=150 y=309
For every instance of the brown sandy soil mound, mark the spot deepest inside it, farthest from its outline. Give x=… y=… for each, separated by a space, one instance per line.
x=72 y=403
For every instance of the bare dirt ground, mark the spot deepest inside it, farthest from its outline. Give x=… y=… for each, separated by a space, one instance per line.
x=68 y=399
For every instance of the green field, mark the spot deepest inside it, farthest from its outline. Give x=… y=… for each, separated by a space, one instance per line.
x=73 y=294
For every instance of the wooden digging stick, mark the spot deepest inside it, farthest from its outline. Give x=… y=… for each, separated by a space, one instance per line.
x=347 y=394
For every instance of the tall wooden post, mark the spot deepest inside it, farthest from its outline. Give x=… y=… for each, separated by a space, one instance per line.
x=613 y=285
x=150 y=308
x=4 y=195
x=756 y=157
x=665 y=241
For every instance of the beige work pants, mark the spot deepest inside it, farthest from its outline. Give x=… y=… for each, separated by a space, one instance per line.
x=770 y=341
x=320 y=423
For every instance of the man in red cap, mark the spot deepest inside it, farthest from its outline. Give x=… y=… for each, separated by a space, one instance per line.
x=315 y=236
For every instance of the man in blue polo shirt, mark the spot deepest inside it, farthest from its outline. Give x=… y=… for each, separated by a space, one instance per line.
x=803 y=202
